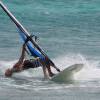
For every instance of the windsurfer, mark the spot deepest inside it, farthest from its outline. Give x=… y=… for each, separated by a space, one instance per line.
x=23 y=64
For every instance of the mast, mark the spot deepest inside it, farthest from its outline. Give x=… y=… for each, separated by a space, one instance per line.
x=19 y=25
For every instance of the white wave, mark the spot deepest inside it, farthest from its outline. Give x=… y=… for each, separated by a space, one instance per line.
x=67 y=60
x=91 y=71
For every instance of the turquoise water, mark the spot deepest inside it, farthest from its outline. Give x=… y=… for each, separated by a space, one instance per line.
x=69 y=32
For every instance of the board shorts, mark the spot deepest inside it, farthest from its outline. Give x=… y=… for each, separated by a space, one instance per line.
x=31 y=64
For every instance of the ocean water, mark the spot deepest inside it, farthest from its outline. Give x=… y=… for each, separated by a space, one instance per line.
x=69 y=32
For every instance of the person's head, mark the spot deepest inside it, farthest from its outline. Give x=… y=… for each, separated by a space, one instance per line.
x=8 y=73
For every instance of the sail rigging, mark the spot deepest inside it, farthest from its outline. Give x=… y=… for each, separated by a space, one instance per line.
x=37 y=51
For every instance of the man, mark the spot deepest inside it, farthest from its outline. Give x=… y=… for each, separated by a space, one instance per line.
x=23 y=64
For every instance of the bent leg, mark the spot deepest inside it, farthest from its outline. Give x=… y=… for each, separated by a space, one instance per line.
x=49 y=71
x=46 y=66
x=45 y=72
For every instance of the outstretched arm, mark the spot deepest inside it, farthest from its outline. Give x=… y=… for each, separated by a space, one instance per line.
x=18 y=65
x=22 y=53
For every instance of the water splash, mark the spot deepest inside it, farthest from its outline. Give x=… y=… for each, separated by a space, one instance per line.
x=91 y=71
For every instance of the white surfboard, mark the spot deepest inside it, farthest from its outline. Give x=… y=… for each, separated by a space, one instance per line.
x=68 y=73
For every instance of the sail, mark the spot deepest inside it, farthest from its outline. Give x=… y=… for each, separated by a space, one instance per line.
x=34 y=49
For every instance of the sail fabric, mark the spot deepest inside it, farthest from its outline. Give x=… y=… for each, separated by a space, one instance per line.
x=24 y=34
x=34 y=52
